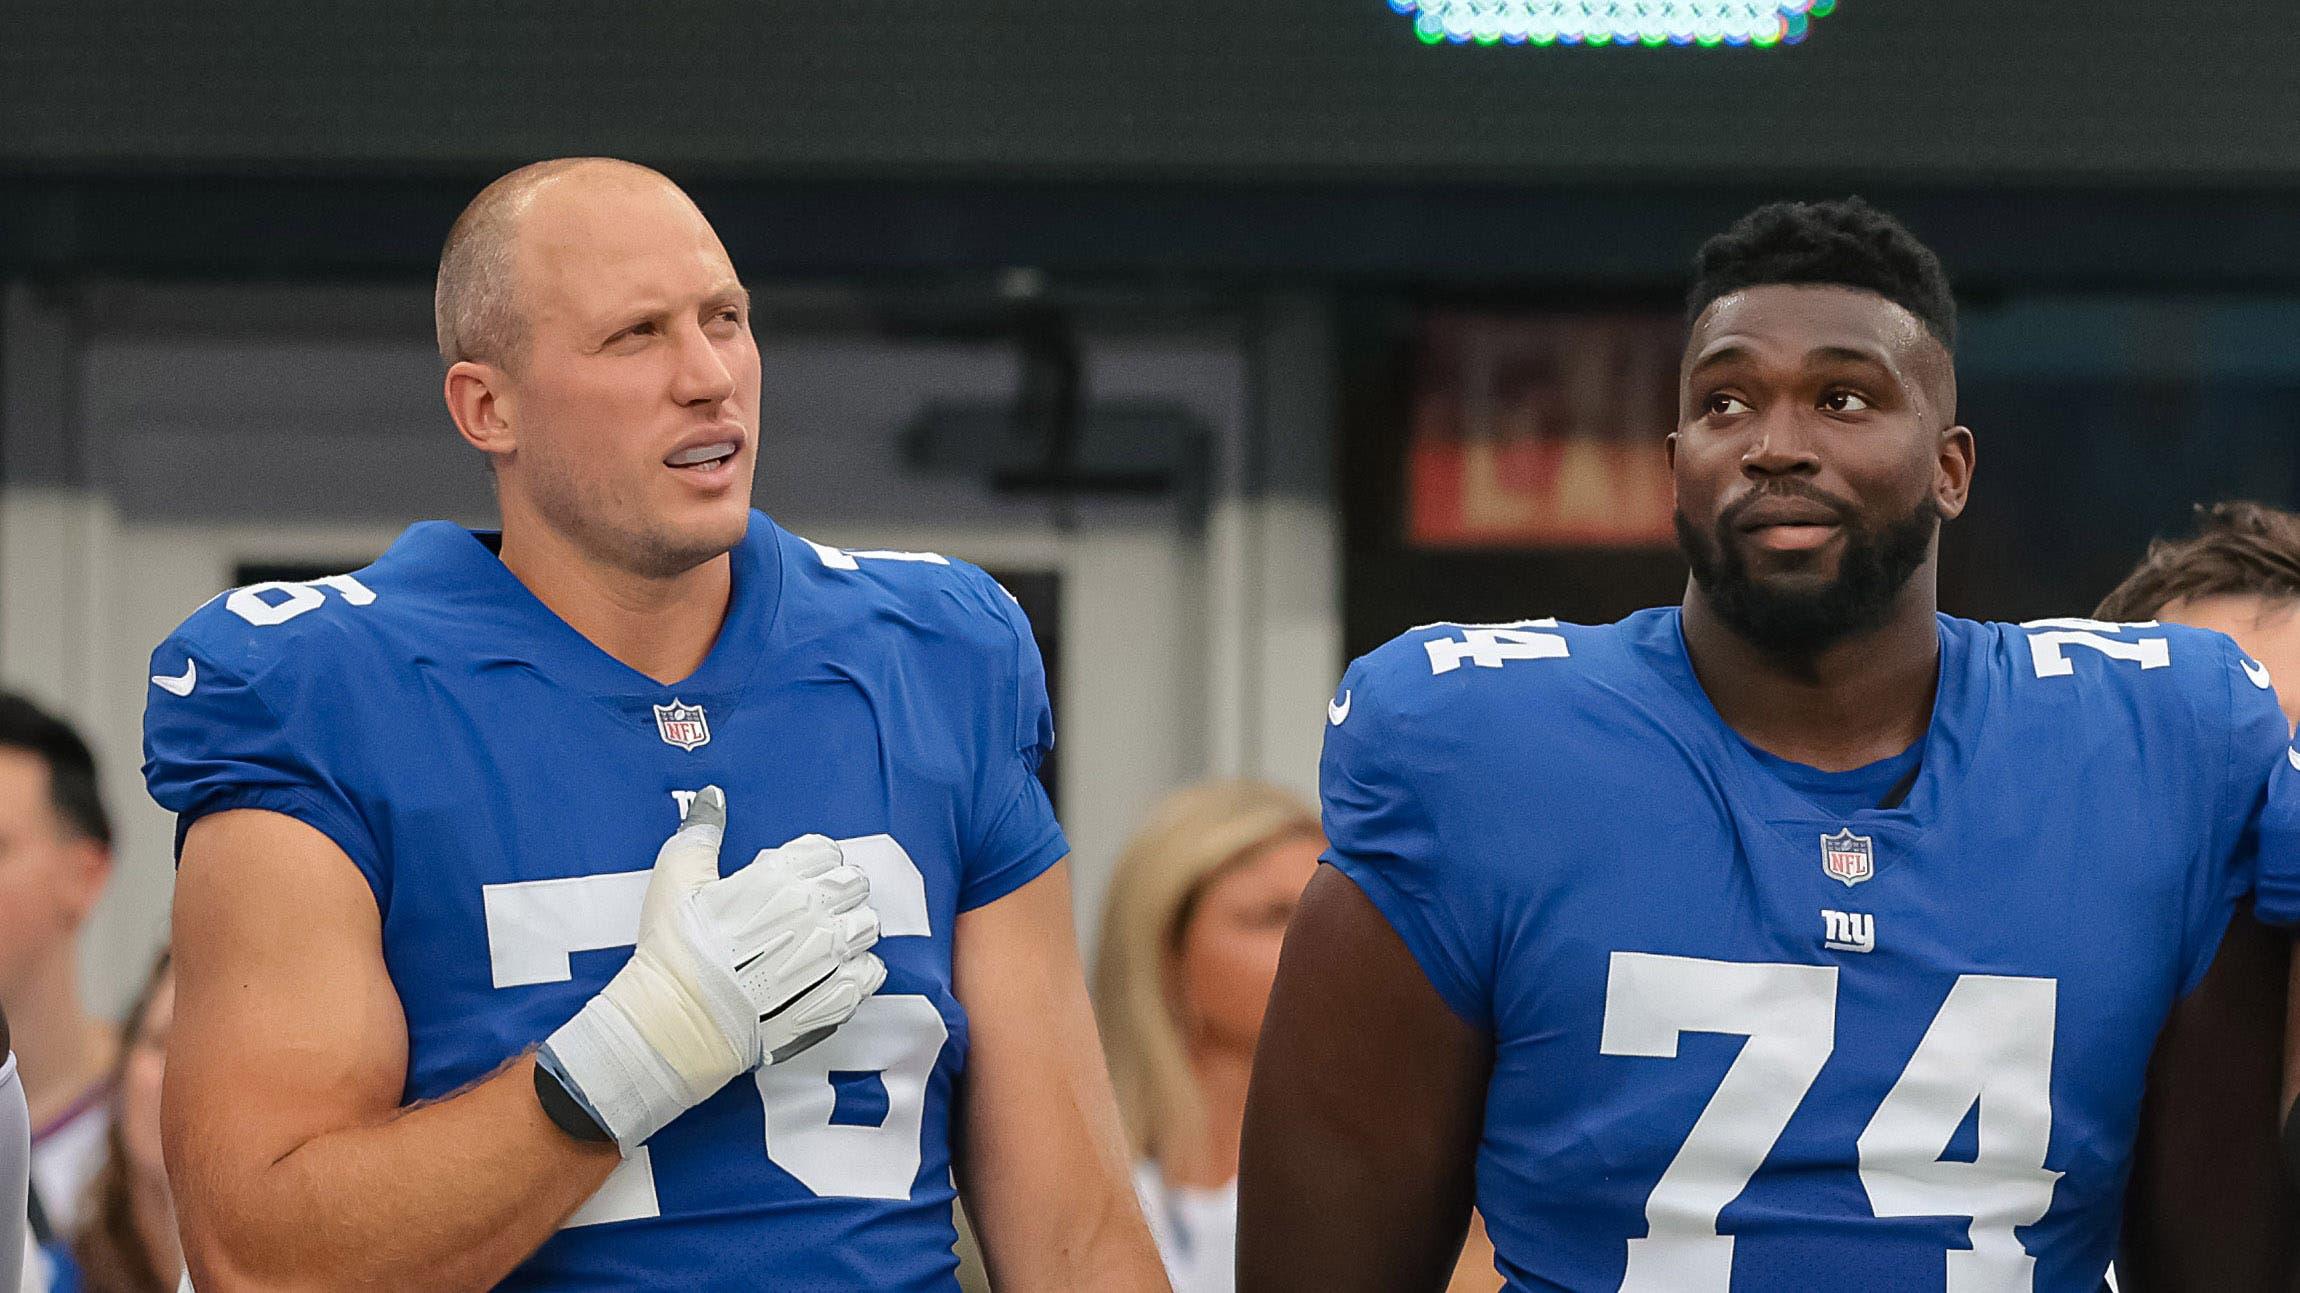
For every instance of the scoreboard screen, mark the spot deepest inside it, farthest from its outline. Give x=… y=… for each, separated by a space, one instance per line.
x=1709 y=24
x=1254 y=92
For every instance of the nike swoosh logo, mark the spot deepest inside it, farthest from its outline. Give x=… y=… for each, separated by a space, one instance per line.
x=2258 y=673
x=181 y=684
x=1338 y=712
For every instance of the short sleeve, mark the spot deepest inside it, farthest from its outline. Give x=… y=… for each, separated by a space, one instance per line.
x=222 y=743
x=2277 y=835
x=1381 y=833
x=2258 y=774
x=1017 y=837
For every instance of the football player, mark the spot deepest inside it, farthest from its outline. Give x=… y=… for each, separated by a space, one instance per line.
x=2239 y=573
x=1795 y=937
x=442 y=1026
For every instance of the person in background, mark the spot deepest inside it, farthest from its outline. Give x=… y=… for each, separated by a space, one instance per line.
x=127 y=1242
x=2240 y=574
x=1196 y=913
x=55 y=856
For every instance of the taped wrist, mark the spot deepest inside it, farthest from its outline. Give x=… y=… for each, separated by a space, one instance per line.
x=608 y=1067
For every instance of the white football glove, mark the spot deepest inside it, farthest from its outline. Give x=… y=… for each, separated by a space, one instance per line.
x=728 y=974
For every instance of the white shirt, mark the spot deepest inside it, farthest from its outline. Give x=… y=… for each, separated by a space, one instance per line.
x=16 y=1252
x=66 y=1155
x=1196 y=1230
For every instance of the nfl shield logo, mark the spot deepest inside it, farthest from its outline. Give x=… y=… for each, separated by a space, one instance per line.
x=1848 y=858
x=682 y=724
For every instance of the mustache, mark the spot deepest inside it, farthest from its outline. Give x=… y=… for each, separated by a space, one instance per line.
x=1842 y=509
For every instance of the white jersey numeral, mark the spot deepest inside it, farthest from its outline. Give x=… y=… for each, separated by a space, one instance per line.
x=1789 y=1015
x=851 y=558
x=255 y=605
x=2049 y=640
x=1990 y=1045
x=533 y=926
x=1490 y=646
x=899 y=1038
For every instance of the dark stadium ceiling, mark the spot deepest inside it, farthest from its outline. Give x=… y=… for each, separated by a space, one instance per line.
x=2149 y=91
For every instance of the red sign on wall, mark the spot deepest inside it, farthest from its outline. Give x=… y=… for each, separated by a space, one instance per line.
x=1542 y=431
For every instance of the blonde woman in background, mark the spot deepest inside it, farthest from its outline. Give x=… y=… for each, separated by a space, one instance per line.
x=1196 y=914
x=127 y=1241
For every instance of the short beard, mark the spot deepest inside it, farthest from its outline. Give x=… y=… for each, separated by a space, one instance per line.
x=1800 y=623
x=587 y=511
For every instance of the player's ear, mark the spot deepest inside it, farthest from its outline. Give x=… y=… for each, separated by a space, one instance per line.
x=476 y=400
x=1953 y=471
x=88 y=868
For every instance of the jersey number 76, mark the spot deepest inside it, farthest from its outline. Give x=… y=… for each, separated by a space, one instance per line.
x=533 y=926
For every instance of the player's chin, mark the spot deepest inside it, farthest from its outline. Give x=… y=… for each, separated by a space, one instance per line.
x=713 y=517
x=1793 y=581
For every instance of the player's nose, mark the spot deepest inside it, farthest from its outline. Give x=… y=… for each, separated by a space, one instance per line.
x=1781 y=445
x=703 y=375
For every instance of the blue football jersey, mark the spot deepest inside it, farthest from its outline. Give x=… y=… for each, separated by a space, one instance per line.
x=2279 y=893
x=503 y=784
x=1745 y=1042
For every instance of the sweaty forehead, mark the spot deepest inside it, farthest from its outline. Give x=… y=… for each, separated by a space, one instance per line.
x=1785 y=322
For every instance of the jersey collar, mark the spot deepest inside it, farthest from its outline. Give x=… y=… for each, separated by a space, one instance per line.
x=489 y=607
x=1959 y=702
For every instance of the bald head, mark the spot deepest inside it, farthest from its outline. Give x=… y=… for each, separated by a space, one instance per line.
x=475 y=308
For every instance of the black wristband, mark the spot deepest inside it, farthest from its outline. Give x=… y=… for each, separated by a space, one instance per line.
x=561 y=1107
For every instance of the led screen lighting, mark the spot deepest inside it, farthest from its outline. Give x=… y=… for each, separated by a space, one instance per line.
x=1651 y=23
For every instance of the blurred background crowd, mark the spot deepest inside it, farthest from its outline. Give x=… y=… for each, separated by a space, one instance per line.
x=1233 y=339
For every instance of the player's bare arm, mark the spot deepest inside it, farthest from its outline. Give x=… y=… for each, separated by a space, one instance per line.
x=1042 y=1162
x=2209 y=1207
x=330 y=1181
x=1363 y=1120
x=293 y=1164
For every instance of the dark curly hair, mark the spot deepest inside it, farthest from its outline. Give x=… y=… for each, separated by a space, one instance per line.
x=2239 y=549
x=1845 y=243
x=71 y=769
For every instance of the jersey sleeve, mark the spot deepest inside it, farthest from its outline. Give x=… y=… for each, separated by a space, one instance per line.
x=1382 y=833
x=250 y=733
x=2276 y=832
x=2245 y=859
x=1016 y=837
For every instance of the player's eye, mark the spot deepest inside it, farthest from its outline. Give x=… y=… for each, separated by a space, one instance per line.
x=1844 y=402
x=1722 y=405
